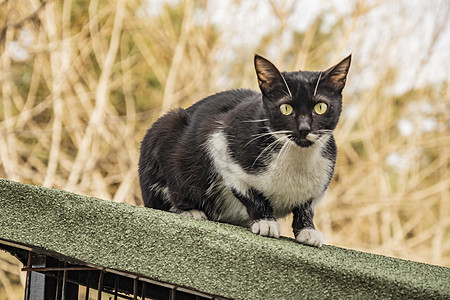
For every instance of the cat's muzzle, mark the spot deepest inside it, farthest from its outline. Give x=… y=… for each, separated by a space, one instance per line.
x=306 y=140
x=303 y=142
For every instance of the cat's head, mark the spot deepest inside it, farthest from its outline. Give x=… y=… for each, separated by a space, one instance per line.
x=302 y=105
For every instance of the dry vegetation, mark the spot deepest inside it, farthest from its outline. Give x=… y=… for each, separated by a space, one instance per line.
x=81 y=81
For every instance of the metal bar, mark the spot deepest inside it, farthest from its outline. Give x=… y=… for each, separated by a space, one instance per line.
x=15 y=245
x=116 y=286
x=161 y=283
x=135 y=288
x=27 y=284
x=56 y=269
x=86 y=296
x=61 y=275
x=64 y=285
x=100 y=285
x=144 y=290
x=59 y=285
x=41 y=286
x=69 y=290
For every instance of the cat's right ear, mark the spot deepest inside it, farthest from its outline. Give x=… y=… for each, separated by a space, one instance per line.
x=337 y=75
x=269 y=78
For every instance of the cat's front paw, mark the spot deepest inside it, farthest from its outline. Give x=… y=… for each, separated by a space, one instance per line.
x=310 y=237
x=266 y=227
x=195 y=214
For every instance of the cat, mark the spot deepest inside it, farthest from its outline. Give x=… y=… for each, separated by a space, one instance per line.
x=249 y=158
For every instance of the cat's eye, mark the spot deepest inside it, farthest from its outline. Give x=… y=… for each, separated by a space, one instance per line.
x=320 y=108
x=286 y=109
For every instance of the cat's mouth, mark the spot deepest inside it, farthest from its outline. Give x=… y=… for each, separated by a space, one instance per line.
x=306 y=141
x=303 y=142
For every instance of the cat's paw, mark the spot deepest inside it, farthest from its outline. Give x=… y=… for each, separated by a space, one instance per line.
x=266 y=227
x=310 y=237
x=195 y=214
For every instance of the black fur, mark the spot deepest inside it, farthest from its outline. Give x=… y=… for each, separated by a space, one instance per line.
x=177 y=172
x=257 y=204
x=303 y=216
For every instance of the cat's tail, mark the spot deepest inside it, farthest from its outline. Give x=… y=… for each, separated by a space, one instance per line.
x=155 y=160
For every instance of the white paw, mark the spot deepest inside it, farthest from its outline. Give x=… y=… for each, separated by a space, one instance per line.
x=310 y=237
x=194 y=213
x=266 y=227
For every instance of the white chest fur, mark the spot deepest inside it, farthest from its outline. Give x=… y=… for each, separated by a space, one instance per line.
x=293 y=176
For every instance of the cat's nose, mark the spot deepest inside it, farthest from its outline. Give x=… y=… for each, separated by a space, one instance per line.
x=304 y=128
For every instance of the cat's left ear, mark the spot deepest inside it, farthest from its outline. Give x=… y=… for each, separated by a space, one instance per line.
x=269 y=78
x=337 y=75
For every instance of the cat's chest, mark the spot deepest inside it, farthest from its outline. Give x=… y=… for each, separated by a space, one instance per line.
x=292 y=176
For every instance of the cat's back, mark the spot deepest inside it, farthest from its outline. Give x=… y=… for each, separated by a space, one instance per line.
x=223 y=102
x=211 y=113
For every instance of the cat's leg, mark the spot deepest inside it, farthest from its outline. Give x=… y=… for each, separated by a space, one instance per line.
x=303 y=226
x=260 y=212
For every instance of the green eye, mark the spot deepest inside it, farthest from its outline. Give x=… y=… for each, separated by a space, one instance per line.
x=286 y=109
x=320 y=108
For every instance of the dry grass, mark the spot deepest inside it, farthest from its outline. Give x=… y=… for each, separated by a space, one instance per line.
x=93 y=75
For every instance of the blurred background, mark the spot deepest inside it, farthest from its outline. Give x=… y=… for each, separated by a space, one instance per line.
x=81 y=81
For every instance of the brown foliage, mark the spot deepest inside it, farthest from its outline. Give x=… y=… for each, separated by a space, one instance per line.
x=81 y=82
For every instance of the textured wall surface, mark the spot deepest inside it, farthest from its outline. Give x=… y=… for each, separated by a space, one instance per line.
x=211 y=257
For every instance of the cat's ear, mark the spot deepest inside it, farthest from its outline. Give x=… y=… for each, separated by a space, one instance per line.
x=337 y=75
x=269 y=78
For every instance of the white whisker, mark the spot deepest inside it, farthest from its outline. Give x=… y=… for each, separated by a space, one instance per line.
x=258 y=136
x=255 y=121
x=285 y=83
x=317 y=84
x=285 y=148
x=270 y=147
x=323 y=131
x=321 y=141
x=317 y=134
x=271 y=133
x=274 y=132
x=290 y=145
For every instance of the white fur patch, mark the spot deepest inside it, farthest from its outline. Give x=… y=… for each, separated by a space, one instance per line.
x=193 y=213
x=312 y=137
x=293 y=176
x=161 y=189
x=266 y=228
x=310 y=237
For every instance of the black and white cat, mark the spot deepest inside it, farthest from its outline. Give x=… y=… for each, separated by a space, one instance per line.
x=247 y=158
